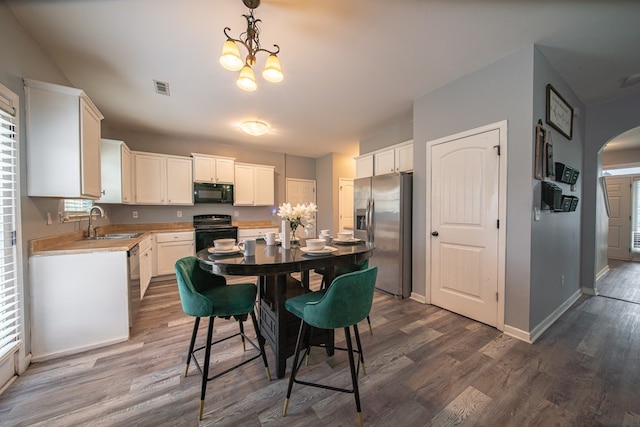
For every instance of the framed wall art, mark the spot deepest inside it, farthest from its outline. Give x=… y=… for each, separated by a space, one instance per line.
x=539 y=167
x=559 y=112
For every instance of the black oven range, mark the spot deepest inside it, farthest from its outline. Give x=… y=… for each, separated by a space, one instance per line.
x=210 y=227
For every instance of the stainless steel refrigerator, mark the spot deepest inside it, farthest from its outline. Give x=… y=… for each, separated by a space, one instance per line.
x=382 y=207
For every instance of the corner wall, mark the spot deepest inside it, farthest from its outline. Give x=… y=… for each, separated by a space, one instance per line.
x=502 y=90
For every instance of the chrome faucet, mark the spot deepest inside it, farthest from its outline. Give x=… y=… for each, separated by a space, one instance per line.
x=92 y=229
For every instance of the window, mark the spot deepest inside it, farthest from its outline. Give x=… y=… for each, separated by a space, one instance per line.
x=76 y=209
x=10 y=257
x=635 y=215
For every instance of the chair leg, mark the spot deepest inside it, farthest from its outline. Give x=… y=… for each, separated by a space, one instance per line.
x=354 y=378
x=205 y=368
x=294 y=368
x=359 y=345
x=241 y=324
x=261 y=340
x=369 y=322
x=192 y=344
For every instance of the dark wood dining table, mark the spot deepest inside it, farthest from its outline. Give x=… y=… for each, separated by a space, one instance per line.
x=273 y=266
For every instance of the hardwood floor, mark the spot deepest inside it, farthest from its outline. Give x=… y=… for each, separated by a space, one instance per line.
x=425 y=367
x=622 y=281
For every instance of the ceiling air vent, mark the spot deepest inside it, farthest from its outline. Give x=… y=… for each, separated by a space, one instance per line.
x=162 y=88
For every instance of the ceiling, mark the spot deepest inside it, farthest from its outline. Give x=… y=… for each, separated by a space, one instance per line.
x=352 y=68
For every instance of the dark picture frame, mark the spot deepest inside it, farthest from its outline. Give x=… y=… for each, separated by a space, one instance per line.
x=539 y=167
x=559 y=112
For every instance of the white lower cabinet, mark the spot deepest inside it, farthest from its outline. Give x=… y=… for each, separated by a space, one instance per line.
x=255 y=233
x=78 y=302
x=170 y=247
x=146 y=264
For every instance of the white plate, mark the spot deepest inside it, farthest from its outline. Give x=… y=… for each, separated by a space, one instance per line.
x=233 y=250
x=324 y=251
x=349 y=240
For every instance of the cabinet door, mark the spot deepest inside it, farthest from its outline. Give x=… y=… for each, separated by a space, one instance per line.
x=179 y=181
x=224 y=171
x=364 y=166
x=203 y=169
x=146 y=258
x=150 y=173
x=264 y=186
x=404 y=158
x=244 y=186
x=170 y=252
x=384 y=162
x=90 y=148
x=126 y=174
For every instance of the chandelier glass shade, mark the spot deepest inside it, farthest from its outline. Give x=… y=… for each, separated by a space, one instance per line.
x=231 y=60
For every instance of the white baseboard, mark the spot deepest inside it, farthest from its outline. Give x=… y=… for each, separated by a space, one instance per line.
x=417 y=297
x=602 y=272
x=531 y=337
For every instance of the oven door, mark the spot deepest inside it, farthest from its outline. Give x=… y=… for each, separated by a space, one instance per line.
x=205 y=238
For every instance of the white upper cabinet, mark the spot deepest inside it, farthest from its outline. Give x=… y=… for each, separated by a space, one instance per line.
x=394 y=159
x=63 y=142
x=162 y=179
x=115 y=159
x=179 y=181
x=213 y=169
x=254 y=185
x=364 y=166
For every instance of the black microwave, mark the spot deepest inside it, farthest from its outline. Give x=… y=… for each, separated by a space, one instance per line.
x=207 y=192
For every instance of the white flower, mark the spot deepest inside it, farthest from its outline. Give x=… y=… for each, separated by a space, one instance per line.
x=298 y=215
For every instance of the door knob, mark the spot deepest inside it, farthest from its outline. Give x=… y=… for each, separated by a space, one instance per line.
x=434 y=233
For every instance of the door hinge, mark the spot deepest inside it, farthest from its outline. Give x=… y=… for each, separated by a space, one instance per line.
x=498 y=147
x=497 y=223
x=497 y=299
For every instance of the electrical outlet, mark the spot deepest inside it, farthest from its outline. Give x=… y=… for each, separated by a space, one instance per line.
x=562 y=277
x=135 y=214
x=236 y=213
x=179 y=214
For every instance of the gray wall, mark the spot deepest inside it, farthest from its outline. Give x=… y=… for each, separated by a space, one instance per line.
x=512 y=88
x=604 y=121
x=555 y=239
x=503 y=90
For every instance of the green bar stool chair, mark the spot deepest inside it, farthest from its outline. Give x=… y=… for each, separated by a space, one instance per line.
x=344 y=269
x=204 y=294
x=342 y=305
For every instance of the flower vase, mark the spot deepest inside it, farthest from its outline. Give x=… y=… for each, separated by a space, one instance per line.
x=286 y=231
x=294 y=227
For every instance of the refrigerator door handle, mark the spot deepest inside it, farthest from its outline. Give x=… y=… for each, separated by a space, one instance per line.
x=372 y=206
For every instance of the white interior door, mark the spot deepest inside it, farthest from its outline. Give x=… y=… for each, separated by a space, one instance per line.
x=345 y=208
x=464 y=225
x=619 y=239
x=302 y=191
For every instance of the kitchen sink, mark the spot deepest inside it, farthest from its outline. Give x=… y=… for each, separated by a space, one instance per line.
x=115 y=236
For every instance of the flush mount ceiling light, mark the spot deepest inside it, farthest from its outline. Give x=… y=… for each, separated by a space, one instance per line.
x=254 y=127
x=250 y=39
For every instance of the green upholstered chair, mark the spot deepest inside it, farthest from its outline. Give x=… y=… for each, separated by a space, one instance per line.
x=344 y=269
x=204 y=294
x=343 y=304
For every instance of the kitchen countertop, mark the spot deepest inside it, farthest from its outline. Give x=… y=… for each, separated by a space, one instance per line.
x=255 y=224
x=74 y=243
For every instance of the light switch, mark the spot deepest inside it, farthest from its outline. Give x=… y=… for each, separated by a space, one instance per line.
x=536 y=214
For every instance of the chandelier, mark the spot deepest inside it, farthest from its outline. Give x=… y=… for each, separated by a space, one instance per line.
x=250 y=39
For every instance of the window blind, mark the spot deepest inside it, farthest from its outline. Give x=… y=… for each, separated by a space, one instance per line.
x=635 y=215
x=10 y=323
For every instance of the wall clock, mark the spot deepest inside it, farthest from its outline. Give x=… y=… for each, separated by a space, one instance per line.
x=559 y=112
